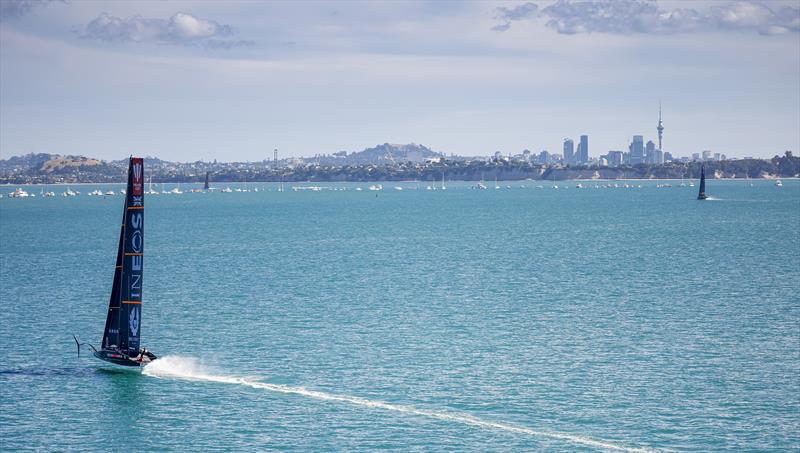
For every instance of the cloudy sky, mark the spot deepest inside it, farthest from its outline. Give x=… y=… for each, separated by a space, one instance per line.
x=188 y=80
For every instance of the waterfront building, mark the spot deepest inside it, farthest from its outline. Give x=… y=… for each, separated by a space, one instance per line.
x=707 y=155
x=582 y=156
x=695 y=156
x=636 y=150
x=569 y=151
x=650 y=152
x=615 y=158
x=668 y=157
x=544 y=157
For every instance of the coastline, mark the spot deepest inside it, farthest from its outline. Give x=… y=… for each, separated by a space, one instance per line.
x=408 y=181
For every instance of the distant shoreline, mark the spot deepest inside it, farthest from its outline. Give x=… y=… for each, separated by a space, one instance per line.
x=421 y=182
x=49 y=169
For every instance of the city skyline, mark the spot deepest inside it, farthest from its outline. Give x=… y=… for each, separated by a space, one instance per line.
x=201 y=80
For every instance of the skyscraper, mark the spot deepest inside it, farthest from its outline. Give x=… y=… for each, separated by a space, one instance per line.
x=650 y=152
x=569 y=151
x=583 y=150
x=637 y=150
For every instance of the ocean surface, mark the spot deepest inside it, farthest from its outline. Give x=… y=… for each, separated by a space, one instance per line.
x=518 y=319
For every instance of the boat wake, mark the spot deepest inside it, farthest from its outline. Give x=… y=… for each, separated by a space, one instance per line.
x=187 y=368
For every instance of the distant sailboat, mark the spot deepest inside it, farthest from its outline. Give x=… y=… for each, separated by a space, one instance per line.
x=205 y=186
x=122 y=333
x=150 y=190
x=481 y=184
x=702 y=194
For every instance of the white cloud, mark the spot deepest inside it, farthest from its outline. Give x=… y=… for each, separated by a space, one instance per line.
x=645 y=16
x=519 y=12
x=181 y=29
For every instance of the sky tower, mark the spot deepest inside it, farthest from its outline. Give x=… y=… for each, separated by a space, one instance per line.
x=660 y=128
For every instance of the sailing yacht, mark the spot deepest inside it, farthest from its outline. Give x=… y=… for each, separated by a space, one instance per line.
x=150 y=190
x=701 y=195
x=122 y=333
x=47 y=193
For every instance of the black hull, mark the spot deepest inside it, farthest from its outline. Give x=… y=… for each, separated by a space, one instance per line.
x=702 y=196
x=120 y=359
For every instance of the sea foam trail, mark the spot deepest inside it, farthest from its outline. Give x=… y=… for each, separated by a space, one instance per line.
x=189 y=369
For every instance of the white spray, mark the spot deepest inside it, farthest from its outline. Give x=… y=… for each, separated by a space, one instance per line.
x=189 y=369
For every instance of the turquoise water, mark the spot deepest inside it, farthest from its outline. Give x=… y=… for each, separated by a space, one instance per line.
x=466 y=320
